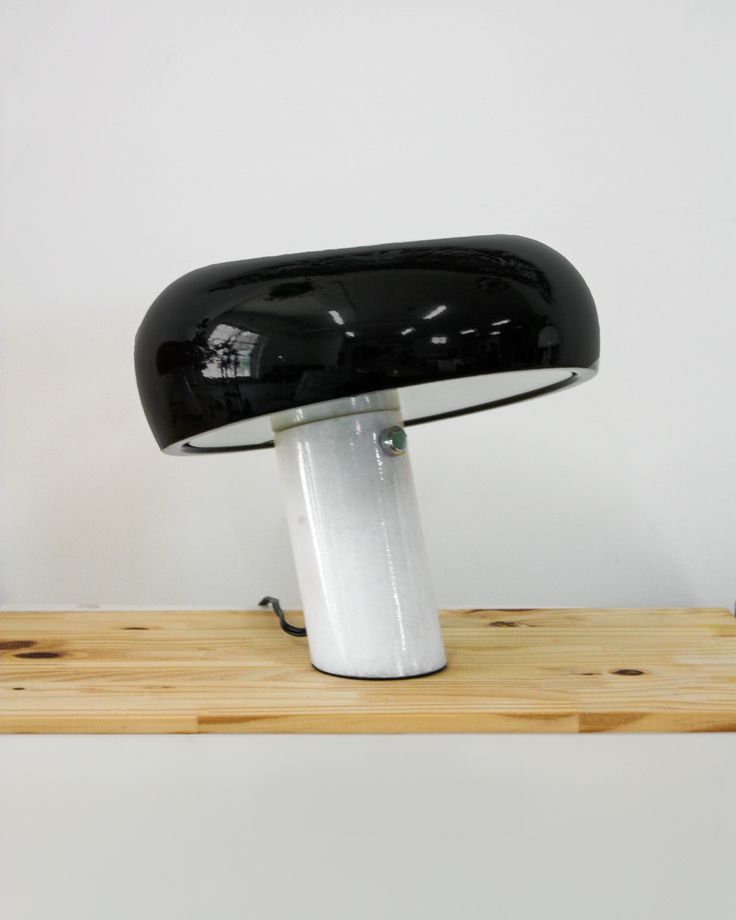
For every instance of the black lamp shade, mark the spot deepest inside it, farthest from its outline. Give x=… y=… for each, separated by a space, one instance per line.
x=457 y=325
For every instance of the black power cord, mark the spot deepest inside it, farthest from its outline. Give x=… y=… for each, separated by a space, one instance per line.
x=275 y=603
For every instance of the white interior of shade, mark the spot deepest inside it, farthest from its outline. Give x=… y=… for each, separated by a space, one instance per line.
x=424 y=399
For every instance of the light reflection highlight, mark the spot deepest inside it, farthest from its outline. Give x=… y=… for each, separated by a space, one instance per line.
x=435 y=312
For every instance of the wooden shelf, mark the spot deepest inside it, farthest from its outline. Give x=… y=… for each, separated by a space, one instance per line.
x=509 y=671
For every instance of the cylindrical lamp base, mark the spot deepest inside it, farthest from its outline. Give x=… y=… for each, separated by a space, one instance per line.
x=357 y=539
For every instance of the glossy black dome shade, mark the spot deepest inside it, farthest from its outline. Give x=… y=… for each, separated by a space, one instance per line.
x=457 y=325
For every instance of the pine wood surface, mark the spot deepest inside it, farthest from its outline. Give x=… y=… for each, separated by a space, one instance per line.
x=566 y=670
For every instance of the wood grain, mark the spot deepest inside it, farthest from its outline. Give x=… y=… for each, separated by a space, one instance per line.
x=571 y=670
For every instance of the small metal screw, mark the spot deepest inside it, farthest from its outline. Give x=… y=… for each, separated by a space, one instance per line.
x=393 y=441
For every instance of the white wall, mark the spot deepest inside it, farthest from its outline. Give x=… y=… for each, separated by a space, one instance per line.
x=359 y=828
x=143 y=139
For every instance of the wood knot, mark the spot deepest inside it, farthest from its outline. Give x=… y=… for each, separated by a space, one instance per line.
x=12 y=645
x=628 y=672
x=39 y=655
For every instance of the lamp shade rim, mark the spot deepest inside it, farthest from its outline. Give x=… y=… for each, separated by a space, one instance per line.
x=221 y=440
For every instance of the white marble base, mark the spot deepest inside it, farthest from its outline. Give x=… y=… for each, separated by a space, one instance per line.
x=364 y=577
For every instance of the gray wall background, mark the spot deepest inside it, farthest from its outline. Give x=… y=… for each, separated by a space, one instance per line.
x=145 y=139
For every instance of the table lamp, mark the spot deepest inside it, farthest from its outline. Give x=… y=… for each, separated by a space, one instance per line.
x=329 y=357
